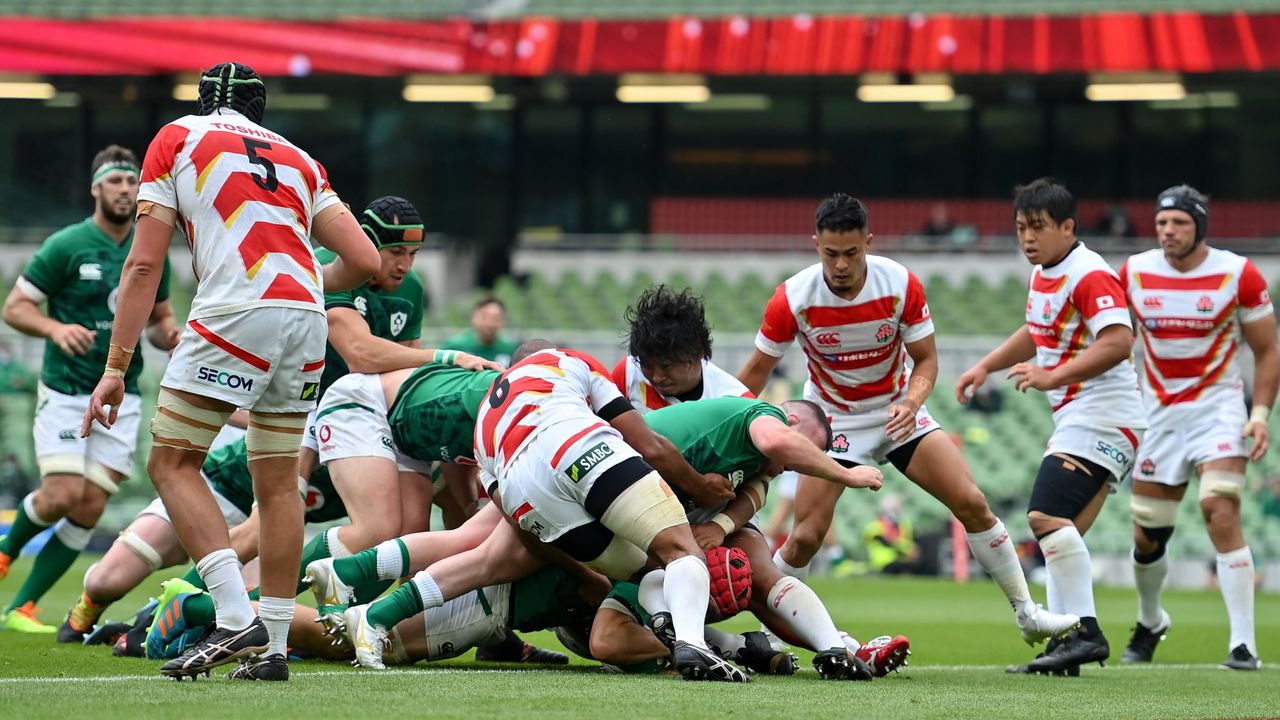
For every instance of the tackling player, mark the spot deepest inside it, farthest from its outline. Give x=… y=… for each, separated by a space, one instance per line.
x=248 y=201
x=77 y=271
x=859 y=317
x=1193 y=303
x=670 y=353
x=1078 y=333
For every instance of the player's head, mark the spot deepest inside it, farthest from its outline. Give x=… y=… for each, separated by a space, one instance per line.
x=670 y=338
x=232 y=85
x=810 y=420
x=488 y=318
x=530 y=347
x=1182 y=221
x=842 y=237
x=1044 y=212
x=114 y=184
x=395 y=228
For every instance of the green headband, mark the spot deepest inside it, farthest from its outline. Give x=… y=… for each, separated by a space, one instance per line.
x=410 y=234
x=108 y=168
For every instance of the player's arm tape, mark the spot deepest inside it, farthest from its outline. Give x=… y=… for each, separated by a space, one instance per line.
x=118 y=360
x=445 y=357
x=1259 y=414
x=30 y=290
x=156 y=211
x=757 y=488
x=726 y=523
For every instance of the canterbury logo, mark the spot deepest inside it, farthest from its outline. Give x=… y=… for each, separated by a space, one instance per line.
x=828 y=338
x=777 y=602
x=1000 y=540
x=1240 y=564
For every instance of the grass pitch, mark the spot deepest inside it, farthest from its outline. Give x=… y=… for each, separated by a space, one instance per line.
x=962 y=637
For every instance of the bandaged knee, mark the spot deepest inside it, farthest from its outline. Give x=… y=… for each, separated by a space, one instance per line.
x=1151 y=512
x=1221 y=483
x=181 y=425
x=274 y=436
x=61 y=464
x=100 y=475
x=142 y=549
x=643 y=510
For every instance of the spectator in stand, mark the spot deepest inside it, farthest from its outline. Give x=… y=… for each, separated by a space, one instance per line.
x=891 y=545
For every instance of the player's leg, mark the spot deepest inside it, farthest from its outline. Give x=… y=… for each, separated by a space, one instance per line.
x=815 y=507
x=1154 y=507
x=1221 y=486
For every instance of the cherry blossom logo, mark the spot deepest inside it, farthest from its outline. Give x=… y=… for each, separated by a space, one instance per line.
x=884 y=333
x=840 y=444
x=1204 y=304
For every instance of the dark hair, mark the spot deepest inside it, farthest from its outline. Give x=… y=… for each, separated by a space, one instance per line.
x=391 y=220
x=112 y=154
x=1190 y=201
x=529 y=347
x=841 y=213
x=1048 y=196
x=818 y=413
x=232 y=85
x=489 y=300
x=668 y=326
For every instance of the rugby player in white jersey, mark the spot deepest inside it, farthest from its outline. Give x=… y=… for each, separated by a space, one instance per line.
x=1193 y=303
x=1079 y=336
x=248 y=202
x=669 y=346
x=859 y=318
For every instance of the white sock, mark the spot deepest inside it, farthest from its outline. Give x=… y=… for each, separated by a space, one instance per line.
x=1235 y=577
x=428 y=590
x=72 y=535
x=391 y=565
x=687 y=590
x=1052 y=597
x=1067 y=560
x=651 y=595
x=276 y=614
x=220 y=571
x=994 y=551
x=1149 y=578
x=850 y=642
x=800 y=573
x=797 y=606
x=337 y=551
x=29 y=507
x=729 y=643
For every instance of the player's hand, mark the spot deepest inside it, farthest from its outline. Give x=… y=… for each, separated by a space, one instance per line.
x=969 y=383
x=708 y=535
x=467 y=361
x=593 y=587
x=715 y=490
x=109 y=393
x=1261 y=439
x=1028 y=375
x=864 y=476
x=902 y=420
x=73 y=339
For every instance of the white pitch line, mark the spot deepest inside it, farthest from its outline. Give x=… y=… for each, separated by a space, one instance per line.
x=395 y=672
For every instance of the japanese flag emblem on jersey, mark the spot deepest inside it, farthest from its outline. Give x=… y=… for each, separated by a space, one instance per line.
x=1106 y=301
x=398 y=320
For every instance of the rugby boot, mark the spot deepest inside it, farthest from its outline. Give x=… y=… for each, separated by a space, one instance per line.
x=219 y=647
x=332 y=595
x=1039 y=625
x=1241 y=659
x=367 y=639
x=1143 y=642
x=511 y=649
x=758 y=655
x=695 y=663
x=23 y=619
x=840 y=664
x=80 y=620
x=1076 y=650
x=885 y=654
x=274 y=668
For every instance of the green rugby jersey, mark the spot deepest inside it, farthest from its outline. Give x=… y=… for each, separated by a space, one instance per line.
x=227 y=469
x=434 y=414
x=79 y=268
x=713 y=435
x=627 y=595
x=546 y=599
x=394 y=315
x=500 y=351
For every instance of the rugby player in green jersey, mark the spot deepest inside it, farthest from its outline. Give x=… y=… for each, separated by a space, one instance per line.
x=485 y=338
x=76 y=272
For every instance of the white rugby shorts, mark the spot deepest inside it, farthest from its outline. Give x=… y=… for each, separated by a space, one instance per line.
x=57 y=430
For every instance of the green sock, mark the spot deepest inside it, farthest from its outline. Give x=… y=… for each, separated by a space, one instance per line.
x=58 y=554
x=26 y=525
x=358 y=569
x=368 y=592
x=317 y=549
x=199 y=610
x=193 y=577
x=400 y=605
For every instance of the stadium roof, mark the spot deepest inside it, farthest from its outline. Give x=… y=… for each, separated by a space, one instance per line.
x=503 y=9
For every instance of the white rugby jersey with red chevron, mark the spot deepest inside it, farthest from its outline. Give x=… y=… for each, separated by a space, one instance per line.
x=550 y=388
x=1067 y=306
x=855 y=348
x=245 y=198
x=1189 y=323
x=716 y=383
